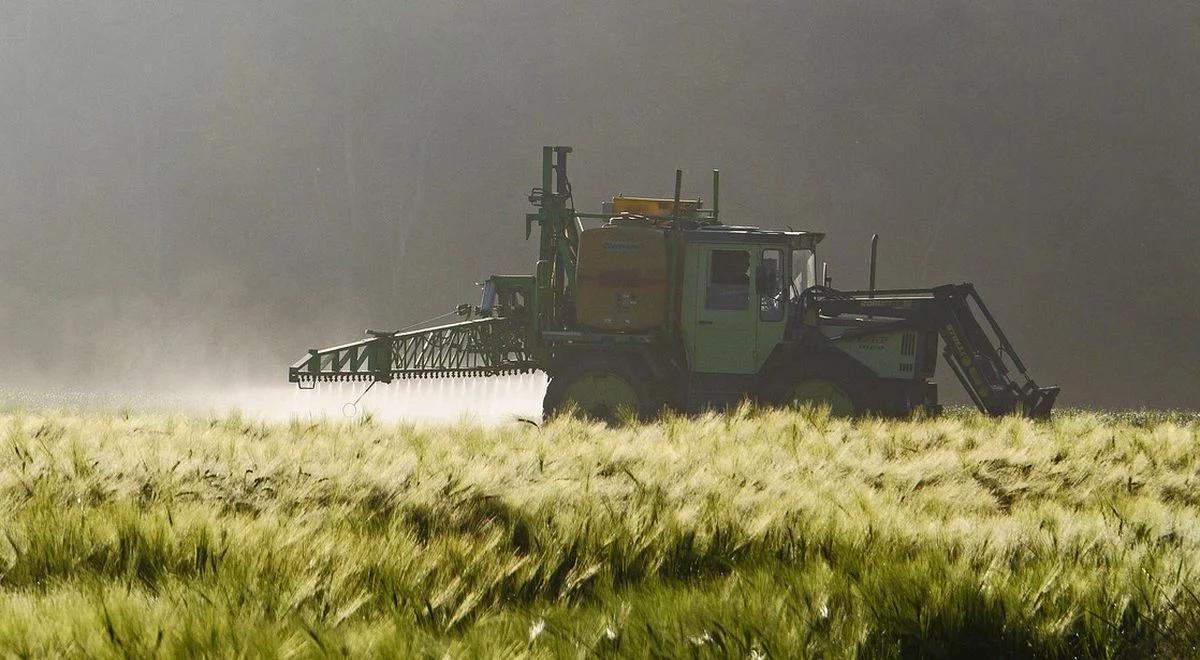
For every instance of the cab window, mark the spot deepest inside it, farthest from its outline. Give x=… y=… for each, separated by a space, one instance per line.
x=803 y=270
x=728 y=280
x=769 y=285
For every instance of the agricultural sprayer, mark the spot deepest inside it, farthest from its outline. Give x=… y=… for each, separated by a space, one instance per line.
x=655 y=303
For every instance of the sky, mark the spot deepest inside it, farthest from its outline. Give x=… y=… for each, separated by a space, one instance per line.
x=199 y=192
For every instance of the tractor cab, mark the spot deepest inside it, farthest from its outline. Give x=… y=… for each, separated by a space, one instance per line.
x=736 y=286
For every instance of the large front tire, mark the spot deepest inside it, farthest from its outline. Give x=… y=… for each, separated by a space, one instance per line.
x=605 y=389
x=821 y=392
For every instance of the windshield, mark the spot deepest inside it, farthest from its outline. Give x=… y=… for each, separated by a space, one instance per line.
x=803 y=270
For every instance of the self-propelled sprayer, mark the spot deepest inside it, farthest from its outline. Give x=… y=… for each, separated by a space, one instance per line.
x=656 y=303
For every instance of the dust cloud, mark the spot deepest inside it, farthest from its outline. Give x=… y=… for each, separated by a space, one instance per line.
x=193 y=194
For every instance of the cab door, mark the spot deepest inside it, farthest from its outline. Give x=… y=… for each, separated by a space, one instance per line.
x=725 y=333
x=771 y=296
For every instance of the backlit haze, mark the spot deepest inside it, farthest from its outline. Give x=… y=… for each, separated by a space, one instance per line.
x=195 y=193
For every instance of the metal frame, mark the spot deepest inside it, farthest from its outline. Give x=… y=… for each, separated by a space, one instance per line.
x=482 y=347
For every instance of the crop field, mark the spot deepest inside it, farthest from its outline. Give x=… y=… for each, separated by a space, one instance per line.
x=750 y=534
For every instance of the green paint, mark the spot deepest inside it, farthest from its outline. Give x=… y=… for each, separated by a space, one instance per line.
x=725 y=326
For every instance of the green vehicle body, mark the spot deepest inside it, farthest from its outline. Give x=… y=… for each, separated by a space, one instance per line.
x=771 y=333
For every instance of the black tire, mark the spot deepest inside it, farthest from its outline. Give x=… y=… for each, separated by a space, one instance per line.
x=823 y=371
x=571 y=377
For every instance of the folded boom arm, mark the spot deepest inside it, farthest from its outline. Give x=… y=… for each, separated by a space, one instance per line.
x=481 y=347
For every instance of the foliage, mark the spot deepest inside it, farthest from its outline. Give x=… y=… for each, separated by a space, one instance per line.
x=755 y=533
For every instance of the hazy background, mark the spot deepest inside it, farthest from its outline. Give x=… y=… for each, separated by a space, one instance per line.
x=197 y=192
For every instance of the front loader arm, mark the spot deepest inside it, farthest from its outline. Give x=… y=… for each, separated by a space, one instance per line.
x=978 y=363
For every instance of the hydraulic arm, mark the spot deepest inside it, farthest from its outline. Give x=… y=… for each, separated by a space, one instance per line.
x=979 y=365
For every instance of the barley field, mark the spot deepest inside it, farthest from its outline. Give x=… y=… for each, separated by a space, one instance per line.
x=749 y=534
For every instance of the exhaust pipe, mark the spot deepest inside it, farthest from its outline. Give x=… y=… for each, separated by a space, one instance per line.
x=678 y=191
x=716 y=209
x=874 y=254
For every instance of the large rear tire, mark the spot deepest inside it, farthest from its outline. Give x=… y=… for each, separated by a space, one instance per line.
x=606 y=389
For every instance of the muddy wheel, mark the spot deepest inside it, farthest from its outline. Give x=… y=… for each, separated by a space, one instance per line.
x=607 y=390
